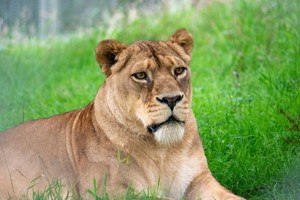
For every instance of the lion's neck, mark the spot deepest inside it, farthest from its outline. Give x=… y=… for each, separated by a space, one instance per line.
x=105 y=116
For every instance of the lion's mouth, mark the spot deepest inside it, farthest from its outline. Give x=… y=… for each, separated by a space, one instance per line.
x=154 y=127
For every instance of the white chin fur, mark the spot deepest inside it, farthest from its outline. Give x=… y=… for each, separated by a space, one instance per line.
x=169 y=133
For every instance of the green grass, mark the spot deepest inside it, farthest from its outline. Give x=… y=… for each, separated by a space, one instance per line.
x=252 y=146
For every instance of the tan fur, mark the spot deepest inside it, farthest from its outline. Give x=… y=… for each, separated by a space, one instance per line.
x=110 y=138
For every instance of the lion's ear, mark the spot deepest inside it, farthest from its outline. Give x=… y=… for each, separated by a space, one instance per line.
x=184 y=39
x=107 y=52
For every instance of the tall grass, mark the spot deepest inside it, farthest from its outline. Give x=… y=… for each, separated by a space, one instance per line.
x=245 y=74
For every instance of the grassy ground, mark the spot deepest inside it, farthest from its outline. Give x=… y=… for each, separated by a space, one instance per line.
x=246 y=78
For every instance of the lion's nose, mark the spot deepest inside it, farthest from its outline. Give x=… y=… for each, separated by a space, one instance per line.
x=171 y=101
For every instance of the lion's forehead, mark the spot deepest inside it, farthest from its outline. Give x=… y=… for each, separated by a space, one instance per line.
x=152 y=47
x=149 y=55
x=152 y=64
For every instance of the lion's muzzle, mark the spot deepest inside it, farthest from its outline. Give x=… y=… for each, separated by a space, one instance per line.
x=154 y=127
x=170 y=101
x=168 y=132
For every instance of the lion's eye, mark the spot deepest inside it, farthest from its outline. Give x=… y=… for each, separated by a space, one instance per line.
x=140 y=75
x=179 y=70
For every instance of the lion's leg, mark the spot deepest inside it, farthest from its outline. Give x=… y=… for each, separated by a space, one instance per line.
x=206 y=187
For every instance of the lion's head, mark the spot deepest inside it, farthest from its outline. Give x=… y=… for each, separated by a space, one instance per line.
x=149 y=84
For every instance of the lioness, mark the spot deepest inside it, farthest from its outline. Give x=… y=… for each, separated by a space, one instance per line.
x=139 y=131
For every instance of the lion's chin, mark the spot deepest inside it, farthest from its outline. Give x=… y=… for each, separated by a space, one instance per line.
x=169 y=133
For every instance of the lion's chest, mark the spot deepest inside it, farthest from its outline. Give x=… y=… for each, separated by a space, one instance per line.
x=175 y=181
x=172 y=175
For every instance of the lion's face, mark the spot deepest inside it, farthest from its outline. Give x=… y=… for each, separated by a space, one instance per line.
x=150 y=85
